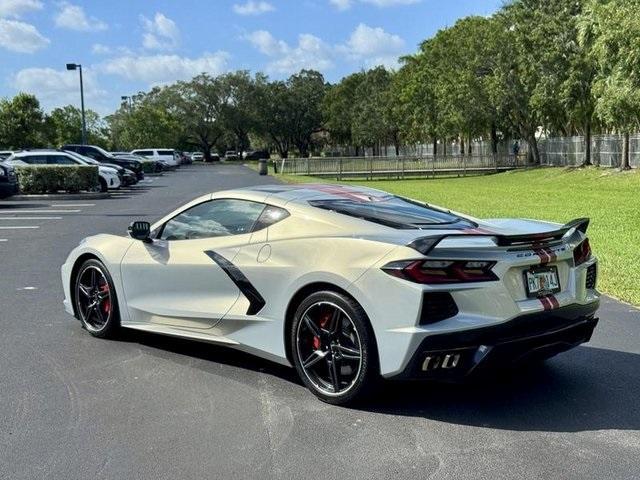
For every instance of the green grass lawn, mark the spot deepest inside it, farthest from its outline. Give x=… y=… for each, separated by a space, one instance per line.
x=609 y=197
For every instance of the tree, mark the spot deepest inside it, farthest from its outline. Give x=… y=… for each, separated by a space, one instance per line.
x=337 y=109
x=239 y=105
x=64 y=125
x=21 y=122
x=149 y=122
x=306 y=92
x=372 y=116
x=610 y=29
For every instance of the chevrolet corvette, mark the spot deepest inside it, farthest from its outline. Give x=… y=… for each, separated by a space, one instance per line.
x=346 y=284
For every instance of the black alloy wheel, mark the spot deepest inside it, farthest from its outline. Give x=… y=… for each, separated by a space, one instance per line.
x=333 y=347
x=96 y=304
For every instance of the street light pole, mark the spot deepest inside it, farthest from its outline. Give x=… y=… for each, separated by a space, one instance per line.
x=76 y=66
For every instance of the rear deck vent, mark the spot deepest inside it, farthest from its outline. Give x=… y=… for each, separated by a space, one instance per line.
x=592 y=275
x=437 y=306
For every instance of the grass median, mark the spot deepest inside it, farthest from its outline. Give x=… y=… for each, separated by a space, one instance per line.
x=609 y=197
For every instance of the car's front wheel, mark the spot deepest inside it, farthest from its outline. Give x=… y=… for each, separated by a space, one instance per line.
x=333 y=347
x=96 y=304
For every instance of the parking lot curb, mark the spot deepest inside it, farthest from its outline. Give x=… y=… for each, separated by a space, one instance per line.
x=62 y=196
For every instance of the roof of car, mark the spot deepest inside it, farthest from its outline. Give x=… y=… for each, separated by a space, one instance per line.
x=304 y=193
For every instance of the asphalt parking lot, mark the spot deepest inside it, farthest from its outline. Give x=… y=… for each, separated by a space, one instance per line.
x=75 y=407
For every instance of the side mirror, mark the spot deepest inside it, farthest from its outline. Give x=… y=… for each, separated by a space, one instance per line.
x=140 y=231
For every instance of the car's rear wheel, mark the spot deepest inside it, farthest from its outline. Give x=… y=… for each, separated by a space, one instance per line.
x=95 y=300
x=333 y=347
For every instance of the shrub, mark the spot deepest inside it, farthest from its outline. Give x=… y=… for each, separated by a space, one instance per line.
x=54 y=178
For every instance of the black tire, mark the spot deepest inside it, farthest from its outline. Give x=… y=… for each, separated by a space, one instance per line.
x=103 y=185
x=352 y=332
x=103 y=320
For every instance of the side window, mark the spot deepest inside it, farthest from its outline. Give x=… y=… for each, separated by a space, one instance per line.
x=60 y=160
x=34 y=159
x=216 y=218
x=144 y=153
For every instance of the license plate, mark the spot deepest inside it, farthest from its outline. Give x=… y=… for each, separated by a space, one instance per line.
x=541 y=281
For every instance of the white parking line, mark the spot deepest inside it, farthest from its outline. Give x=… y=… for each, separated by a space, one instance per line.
x=19 y=210
x=72 y=205
x=3 y=239
x=30 y=218
x=19 y=228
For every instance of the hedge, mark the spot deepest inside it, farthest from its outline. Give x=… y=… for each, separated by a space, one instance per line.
x=54 y=178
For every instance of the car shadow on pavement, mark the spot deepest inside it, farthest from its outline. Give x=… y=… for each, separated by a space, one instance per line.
x=585 y=389
x=216 y=354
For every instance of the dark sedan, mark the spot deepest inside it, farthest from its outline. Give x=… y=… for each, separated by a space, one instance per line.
x=103 y=156
x=8 y=181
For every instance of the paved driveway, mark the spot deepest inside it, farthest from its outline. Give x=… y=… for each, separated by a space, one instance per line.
x=75 y=407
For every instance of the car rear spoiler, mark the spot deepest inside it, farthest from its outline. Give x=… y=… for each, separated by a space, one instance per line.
x=425 y=245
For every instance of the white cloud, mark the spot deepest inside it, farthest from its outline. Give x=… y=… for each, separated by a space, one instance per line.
x=101 y=49
x=160 y=69
x=73 y=17
x=373 y=46
x=310 y=52
x=346 y=4
x=341 y=4
x=21 y=37
x=161 y=33
x=367 y=46
x=15 y=8
x=57 y=87
x=253 y=7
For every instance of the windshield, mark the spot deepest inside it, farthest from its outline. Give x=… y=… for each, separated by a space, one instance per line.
x=392 y=211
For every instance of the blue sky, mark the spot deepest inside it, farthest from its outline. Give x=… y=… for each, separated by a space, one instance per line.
x=130 y=45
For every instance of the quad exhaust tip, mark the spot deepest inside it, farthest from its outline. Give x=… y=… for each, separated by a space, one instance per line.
x=446 y=361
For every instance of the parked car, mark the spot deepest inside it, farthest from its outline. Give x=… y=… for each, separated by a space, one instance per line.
x=166 y=155
x=8 y=180
x=197 y=156
x=102 y=156
x=214 y=157
x=127 y=177
x=257 y=155
x=351 y=284
x=156 y=166
x=185 y=159
x=231 y=155
x=108 y=176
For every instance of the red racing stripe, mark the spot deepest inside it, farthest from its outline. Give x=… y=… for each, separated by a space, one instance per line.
x=554 y=301
x=544 y=256
x=552 y=255
x=546 y=303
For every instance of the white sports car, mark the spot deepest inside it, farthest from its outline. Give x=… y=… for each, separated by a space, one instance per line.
x=345 y=283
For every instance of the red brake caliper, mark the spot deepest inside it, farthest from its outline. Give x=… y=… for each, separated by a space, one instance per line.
x=323 y=323
x=106 y=305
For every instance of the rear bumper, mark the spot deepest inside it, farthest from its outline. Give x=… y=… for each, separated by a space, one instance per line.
x=456 y=355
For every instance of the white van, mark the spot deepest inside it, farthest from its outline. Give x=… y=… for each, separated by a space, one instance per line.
x=164 y=155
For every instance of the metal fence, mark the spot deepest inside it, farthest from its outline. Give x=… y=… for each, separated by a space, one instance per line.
x=401 y=166
x=606 y=151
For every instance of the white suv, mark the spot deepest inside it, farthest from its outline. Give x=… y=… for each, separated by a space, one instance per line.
x=164 y=155
x=109 y=178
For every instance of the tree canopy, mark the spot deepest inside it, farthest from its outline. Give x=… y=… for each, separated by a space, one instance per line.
x=567 y=67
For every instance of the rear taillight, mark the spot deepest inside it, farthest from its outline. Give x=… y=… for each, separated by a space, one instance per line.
x=442 y=271
x=582 y=253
